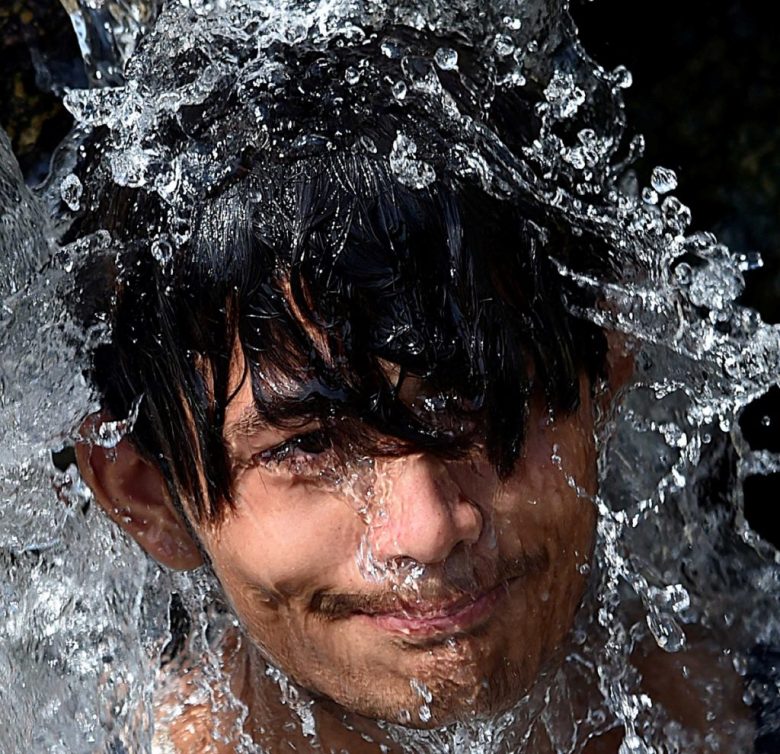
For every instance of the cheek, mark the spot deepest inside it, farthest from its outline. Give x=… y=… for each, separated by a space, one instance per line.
x=284 y=540
x=547 y=502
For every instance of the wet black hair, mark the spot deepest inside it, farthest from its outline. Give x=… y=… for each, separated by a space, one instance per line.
x=324 y=268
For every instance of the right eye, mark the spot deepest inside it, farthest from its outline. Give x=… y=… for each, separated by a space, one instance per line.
x=302 y=455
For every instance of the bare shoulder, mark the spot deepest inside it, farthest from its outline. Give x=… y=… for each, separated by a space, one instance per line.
x=185 y=721
x=192 y=714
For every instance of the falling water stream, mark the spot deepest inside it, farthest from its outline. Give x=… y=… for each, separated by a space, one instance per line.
x=85 y=615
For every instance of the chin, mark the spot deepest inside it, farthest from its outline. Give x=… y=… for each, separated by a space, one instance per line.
x=451 y=700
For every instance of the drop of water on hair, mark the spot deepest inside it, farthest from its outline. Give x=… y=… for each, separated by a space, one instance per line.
x=71 y=191
x=446 y=58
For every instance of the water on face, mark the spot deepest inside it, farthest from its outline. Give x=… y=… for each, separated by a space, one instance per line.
x=84 y=615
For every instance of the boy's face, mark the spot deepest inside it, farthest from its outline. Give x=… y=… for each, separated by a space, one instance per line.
x=379 y=582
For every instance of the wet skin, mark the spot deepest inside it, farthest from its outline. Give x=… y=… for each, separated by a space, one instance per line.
x=421 y=568
x=416 y=569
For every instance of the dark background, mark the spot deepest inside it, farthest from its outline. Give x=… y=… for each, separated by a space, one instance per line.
x=706 y=95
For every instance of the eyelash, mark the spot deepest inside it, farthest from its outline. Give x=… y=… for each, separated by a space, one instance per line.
x=288 y=456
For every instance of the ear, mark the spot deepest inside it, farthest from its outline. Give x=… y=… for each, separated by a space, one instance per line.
x=133 y=493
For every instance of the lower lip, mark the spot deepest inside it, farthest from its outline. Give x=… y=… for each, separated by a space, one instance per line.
x=466 y=617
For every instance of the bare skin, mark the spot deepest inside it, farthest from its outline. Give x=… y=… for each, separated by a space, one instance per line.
x=672 y=681
x=419 y=569
x=466 y=583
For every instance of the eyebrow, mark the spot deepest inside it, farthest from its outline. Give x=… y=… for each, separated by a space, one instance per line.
x=288 y=408
x=249 y=422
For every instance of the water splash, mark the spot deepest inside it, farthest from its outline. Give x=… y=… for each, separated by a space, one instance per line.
x=671 y=560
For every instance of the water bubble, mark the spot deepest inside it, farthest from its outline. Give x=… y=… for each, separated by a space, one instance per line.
x=622 y=78
x=563 y=95
x=162 y=251
x=399 y=90
x=663 y=180
x=676 y=215
x=352 y=75
x=649 y=196
x=446 y=58
x=71 y=191
x=504 y=45
x=404 y=163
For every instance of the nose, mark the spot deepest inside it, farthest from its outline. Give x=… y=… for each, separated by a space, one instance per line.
x=424 y=513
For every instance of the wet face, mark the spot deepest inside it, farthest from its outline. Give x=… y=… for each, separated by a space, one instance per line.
x=412 y=589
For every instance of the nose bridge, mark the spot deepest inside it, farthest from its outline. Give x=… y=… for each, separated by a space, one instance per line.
x=425 y=513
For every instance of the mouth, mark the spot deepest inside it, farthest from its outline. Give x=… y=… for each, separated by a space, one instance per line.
x=429 y=621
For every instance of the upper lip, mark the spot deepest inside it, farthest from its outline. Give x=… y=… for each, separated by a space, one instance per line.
x=427 y=604
x=413 y=608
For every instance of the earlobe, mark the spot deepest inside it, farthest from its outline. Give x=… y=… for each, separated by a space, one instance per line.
x=133 y=493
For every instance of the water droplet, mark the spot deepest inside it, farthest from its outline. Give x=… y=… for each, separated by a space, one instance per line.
x=676 y=215
x=649 y=196
x=421 y=690
x=408 y=168
x=391 y=49
x=352 y=75
x=71 y=191
x=563 y=95
x=504 y=45
x=663 y=180
x=622 y=78
x=399 y=90
x=162 y=251
x=750 y=260
x=666 y=631
x=368 y=144
x=740 y=664
x=108 y=434
x=682 y=274
x=446 y=58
